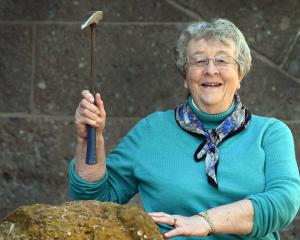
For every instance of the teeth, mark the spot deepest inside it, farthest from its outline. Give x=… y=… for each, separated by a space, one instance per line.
x=211 y=84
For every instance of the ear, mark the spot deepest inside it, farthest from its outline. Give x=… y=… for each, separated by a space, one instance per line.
x=241 y=77
x=240 y=80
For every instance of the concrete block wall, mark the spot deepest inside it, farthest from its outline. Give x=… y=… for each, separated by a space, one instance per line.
x=44 y=65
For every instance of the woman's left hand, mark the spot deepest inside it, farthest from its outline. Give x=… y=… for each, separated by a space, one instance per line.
x=183 y=226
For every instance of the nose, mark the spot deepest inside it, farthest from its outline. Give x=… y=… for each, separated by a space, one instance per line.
x=211 y=68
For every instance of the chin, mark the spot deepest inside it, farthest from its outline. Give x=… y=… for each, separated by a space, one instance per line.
x=212 y=100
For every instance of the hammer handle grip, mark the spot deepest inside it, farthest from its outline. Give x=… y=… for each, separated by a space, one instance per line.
x=91 y=156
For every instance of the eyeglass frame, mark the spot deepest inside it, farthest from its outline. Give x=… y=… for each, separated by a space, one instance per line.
x=207 y=60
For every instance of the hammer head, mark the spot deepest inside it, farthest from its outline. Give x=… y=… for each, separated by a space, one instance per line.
x=93 y=17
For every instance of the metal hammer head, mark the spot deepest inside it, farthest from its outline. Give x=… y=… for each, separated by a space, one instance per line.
x=93 y=17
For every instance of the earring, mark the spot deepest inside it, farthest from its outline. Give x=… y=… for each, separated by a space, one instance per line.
x=185 y=84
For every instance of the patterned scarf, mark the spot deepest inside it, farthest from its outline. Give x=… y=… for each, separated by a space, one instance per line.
x=208 y=149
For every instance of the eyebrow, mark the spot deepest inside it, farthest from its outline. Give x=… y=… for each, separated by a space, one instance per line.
x=203 y=53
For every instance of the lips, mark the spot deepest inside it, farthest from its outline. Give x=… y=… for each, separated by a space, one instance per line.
x=211 y=84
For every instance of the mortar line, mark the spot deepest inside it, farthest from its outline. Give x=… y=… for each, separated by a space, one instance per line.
x=33 y=62
x=291 y=47
x=185 y=10
x=35 y=116
x=274 y=65
x=292 y=121
x=54 y=117
x=78 y=23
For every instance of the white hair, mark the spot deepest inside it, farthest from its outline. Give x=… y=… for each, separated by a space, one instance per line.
x=219 y=29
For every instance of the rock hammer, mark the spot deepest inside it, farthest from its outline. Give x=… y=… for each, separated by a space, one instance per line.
x=92 y=19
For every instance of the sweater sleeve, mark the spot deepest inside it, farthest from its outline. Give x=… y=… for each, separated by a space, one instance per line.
x=119 y=183
x=277 y=206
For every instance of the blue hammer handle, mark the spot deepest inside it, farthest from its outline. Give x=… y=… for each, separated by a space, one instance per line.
x=91 y=156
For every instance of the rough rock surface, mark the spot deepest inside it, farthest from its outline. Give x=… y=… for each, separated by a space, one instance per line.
x=80 y=220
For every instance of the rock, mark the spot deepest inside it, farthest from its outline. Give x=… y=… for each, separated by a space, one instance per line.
x=80 y=220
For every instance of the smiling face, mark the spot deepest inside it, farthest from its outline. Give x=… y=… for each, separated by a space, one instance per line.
x=212 y=87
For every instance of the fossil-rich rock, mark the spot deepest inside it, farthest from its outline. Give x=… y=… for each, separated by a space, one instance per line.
x=79 y=220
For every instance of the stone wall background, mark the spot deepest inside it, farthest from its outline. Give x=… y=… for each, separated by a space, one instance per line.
x=44 y=65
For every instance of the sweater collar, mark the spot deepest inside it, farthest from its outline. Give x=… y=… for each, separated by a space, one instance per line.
x=210 y=118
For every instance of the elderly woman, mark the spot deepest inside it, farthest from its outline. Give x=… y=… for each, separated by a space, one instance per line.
x=209 y=167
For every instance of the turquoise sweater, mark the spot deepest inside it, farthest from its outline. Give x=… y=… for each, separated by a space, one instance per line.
x=156 y=159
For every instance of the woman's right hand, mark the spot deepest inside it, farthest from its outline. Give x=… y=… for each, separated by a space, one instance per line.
x=89 y=113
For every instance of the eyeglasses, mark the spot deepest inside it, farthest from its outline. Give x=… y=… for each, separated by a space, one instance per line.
x=199 y=61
